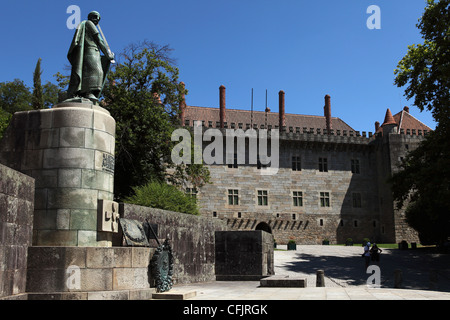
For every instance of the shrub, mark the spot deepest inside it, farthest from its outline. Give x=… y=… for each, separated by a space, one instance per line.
x=163 y=196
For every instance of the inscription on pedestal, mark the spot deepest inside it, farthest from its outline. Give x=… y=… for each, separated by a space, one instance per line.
x=108 y=163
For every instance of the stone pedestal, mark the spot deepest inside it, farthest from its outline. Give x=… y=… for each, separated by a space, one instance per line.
x=69 y=150
x=81 y=273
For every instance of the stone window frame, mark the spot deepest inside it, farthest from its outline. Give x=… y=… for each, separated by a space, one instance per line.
x=325 y=199
x=192 y=192
x=298 y=196
x=262 y=194
x=233 y=197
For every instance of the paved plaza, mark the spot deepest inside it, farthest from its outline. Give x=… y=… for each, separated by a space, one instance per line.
x=425 y=274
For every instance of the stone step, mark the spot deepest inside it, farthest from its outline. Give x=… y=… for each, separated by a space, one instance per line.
x=175 y=295
x=137 y=294
x=283 y=281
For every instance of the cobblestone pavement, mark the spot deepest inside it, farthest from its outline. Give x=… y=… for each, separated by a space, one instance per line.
x=425 y=275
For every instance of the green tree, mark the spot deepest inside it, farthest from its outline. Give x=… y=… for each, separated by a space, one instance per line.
x=50 y=94
x=14 y=96
x=423 y=181
x=143 y=95
x=37 y=99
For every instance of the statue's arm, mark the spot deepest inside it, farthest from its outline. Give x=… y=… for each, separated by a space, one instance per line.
x=101 y=44
x=99 y=41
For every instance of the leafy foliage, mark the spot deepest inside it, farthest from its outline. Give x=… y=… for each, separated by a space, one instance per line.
x=423 y=182
x=163 y=196
x=143 y=95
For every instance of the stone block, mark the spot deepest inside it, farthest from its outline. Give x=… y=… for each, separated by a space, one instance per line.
x=130 y=278
x=68 y=158
x=63 y=219
x=45 y=178
x=44 y=219
x=63 y=198
x=100 y=257
x=104 y=122
x=98 y=140
x=141 y=257
x=284 y=282
x=39 y=119
x=87 y=238
x=55 y=237
x=69 y=178
x=72 y=117
x=32 y=159
x=96 y=279
x=108 y=295
x=41 y=258
x=122 y=257
x=83 y=219
x=72 y=137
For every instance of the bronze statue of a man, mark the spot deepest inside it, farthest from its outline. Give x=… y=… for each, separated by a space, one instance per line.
x=89 y=68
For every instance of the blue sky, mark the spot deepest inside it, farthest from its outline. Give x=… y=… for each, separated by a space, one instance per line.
x=306 y=48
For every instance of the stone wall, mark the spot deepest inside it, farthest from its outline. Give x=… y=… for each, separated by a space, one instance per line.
x=192 y=240
x=16 y=225
x=310 y=222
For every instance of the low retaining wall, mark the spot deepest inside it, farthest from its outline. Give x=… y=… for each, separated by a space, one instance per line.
x=192 y=240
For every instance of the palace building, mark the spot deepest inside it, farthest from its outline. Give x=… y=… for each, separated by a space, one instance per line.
x=332 y=181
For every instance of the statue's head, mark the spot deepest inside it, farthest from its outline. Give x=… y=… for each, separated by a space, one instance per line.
x=94 y=16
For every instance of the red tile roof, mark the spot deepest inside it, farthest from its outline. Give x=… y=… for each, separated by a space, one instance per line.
x=259 y=117
x=406 y=122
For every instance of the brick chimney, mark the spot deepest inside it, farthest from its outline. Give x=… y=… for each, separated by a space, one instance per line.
x=182 y=106
x=377 y=126
x=282 y=114
x=223 y=118
x=327 y=113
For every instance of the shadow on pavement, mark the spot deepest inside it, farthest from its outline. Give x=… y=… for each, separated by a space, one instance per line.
x=421 y=268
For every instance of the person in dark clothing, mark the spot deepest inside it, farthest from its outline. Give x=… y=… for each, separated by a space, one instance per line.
x=375 y=253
